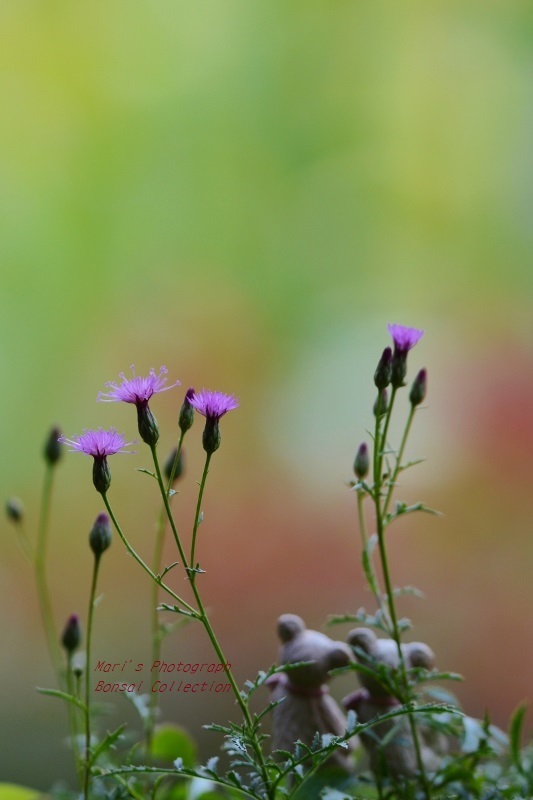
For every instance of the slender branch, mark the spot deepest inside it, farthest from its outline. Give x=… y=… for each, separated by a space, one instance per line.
x=45 y=604
x=198 y=507
x=397 y=466
x=87 y=776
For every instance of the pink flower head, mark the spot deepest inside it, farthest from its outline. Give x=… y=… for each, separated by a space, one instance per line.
x=213 y=405
x=98 y=444
x=404 y=338
x=136 y=390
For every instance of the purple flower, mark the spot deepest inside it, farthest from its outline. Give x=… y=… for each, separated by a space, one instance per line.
x=136 y=390
x=98 y=444
x=213 y=405
x=404 y=338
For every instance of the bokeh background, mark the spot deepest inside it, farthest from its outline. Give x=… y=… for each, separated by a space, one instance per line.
x=248 y=193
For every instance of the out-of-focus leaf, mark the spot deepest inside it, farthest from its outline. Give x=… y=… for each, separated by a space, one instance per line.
x=171 y=742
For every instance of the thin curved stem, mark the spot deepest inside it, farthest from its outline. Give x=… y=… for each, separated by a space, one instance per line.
x=45 y=603
x=164 y=495
x=139 y=560
x=204 y=619
x=397 y=466
x=198 y=507
x=73 y=723
x=87 y=775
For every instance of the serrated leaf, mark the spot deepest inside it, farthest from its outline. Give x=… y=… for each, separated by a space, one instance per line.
x=106 y=743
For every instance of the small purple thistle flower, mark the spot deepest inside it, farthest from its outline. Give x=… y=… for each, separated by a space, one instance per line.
x=99 y=444
x=213 y=406
x=137 y=390
x=404 y=338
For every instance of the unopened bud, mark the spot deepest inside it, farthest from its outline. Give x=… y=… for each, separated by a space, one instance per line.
x=361 y=463
x=71 y=636
x=382 y=375
x=382 y=403
x=101 y=474
x=418 y=389
x=211 y=435
x=52 y=449
x=169 y=466
x=100 y=535
x=14 y=509
x=147 y=424
x=78 y=664
x=186 y=417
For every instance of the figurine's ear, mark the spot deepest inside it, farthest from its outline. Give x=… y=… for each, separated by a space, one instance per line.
x=289 y=626
x=420 y=655
x=363 y=638
x=340 y=656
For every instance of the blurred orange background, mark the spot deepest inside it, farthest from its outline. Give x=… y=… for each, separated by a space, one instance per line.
x=248 y=193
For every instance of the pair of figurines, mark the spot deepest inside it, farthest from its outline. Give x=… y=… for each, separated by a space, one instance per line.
x=308 y=708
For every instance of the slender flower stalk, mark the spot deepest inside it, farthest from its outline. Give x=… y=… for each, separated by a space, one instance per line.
x=404 y=339
x=87 y=769
x=43 y=592
x=70 y=640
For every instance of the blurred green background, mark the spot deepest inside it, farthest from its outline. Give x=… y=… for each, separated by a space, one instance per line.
x=247 y=192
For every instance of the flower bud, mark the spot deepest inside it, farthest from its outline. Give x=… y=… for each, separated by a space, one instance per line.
x=382 y=375
x=101 y=474
x=382 y=402
x=14 y=510
x=147 y=424
x=170 y=464
x=100 y=535
x=52 y=449
x=211 y=435
x=71 y=636
x=79 y=663
x=361 y=463
x=186 y=417
x=399 y=369
x=418 y=389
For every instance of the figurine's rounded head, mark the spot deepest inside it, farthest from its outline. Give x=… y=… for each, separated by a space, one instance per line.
x=299 y=644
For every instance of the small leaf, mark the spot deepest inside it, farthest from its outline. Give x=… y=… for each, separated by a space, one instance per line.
x=167 y=569
x=63 y=696
x=104 y=745
x=515 y=733
x=171 y=742
x=146 y=472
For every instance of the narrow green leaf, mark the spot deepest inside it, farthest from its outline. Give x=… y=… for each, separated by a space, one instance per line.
x=63 y=696
x=515 y=734
x=146 y=472
x=106 y=743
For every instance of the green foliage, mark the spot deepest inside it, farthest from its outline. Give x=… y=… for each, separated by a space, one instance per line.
x=10 y=791
x=171 y=742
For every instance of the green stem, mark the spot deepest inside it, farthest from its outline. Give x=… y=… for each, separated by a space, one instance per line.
x=202 y=616
x=45 y=604
x=156 y=569
x=73 y=723
x=383 y=443
x=87 y=776
x=372 y=577
x=198 y=507
x=164 y=495
x=397 y=466
x=380 y=513
x=139 y=560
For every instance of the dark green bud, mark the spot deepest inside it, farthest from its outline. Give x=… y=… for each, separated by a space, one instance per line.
x=52 y=451
x=14 y=509
x=399 y=368
x=382 y=375
x=101 y=474
x=147 y=424
x=211 y=435
x=361 y=463
x=382 y=401
x=71 y=636
x=170 y=464
x=100 y=535
x=418 y=389
x=186 y=417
